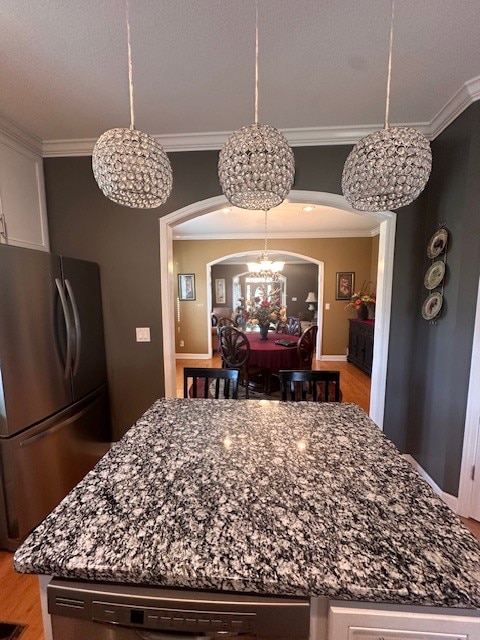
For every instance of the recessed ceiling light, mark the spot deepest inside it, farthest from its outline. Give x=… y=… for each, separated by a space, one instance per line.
x=308 y=208
x=226 y=210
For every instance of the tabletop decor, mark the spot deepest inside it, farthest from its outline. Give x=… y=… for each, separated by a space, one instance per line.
x=130 y=167
x=256 y=165
x=389 y=168
x=361 y=300
x=264 y=310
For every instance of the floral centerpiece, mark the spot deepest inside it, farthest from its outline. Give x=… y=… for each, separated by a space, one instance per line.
x=361 y=300
x=263 y=310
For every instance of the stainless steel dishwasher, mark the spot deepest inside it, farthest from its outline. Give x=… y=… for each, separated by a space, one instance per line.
x=100 y=611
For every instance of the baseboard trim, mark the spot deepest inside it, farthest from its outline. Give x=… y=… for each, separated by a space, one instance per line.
x=334 y=358
x=192 y=356
x=448 y=499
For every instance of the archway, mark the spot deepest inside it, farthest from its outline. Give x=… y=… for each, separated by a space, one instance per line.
x=319 y=291
x=387 y=222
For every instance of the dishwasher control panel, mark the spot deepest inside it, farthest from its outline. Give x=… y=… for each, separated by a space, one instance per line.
x=204 y=613
x=163 y=619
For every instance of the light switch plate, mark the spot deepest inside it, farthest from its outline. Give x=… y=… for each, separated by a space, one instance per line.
x=143 y=334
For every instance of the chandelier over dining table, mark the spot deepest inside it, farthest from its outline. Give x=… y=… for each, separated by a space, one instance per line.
x=265 y=267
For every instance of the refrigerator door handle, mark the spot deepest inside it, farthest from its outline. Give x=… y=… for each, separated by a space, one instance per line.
x=68 y=326
x=78 y=328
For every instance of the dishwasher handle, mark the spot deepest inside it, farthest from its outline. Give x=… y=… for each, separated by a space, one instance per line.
x=158 y=635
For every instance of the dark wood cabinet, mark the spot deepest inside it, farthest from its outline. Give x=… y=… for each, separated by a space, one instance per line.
x=360 y=344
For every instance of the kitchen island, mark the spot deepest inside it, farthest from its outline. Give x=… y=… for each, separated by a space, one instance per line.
x=262 y=497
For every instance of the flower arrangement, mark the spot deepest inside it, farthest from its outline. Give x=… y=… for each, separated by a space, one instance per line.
x=264 y=309
x=362 y=297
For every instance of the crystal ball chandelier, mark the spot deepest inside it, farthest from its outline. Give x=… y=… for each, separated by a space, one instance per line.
x=387 y=169
x=256 y=167
x=132 y=169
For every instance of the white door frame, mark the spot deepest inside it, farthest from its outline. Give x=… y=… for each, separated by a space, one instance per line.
x=387 y=222
x=472 y=426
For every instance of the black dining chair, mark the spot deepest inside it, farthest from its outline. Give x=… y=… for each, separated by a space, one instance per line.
x=235 y=349
x=318 y=386
x=306 y=347
x=202 y=377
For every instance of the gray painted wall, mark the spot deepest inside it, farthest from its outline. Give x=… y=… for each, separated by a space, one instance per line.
x=425 y=366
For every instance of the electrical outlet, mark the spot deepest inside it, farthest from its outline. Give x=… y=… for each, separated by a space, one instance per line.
x=294 y=299
x=327 y=306
x=143 y=334
x=182 y=343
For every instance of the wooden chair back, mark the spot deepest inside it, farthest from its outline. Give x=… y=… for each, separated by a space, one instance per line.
x=234 y=347
x=318 y=386
x=201 y=379
x=292 y=326
x=306 y=347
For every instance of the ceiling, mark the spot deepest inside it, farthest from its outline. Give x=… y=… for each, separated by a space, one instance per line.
x=322 y=78
x=289 y=220
x=322 y=64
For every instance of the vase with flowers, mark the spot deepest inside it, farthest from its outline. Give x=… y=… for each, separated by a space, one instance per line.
x=362 y=301
x=263 y=310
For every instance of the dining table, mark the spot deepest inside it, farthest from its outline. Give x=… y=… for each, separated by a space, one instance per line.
x=269 y=355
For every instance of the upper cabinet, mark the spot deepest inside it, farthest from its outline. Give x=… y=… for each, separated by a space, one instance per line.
x=23 y=213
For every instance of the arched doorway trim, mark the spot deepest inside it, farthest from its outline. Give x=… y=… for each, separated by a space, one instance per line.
x=320 y=287
x=387 y=222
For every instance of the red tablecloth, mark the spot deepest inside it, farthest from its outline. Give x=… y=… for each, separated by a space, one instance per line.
x=268 y=355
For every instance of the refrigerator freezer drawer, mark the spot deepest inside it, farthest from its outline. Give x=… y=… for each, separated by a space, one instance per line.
x=41 y=465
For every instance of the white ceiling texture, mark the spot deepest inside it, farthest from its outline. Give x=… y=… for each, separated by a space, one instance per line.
x=322 y=76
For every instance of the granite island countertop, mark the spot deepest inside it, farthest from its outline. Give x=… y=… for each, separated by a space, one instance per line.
x=260 y=497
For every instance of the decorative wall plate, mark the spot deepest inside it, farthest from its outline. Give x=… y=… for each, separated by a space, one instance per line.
x=437 y=243
x=432 y=305
x=434 y=275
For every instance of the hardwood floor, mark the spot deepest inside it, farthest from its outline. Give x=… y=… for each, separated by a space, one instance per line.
x=20 y=599
x=19 y=593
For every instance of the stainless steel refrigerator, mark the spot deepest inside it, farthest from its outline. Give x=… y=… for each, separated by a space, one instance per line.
x=54 y=412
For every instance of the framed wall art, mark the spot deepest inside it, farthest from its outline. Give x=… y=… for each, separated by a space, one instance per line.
x=220 y=292
x=186 y=286
x=345 y=284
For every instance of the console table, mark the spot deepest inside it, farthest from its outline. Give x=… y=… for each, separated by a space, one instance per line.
x=360 y=344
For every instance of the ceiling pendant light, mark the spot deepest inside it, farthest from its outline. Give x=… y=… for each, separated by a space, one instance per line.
x=131 y=167
x=387 y=169
x=265 y=268
x=256 y=166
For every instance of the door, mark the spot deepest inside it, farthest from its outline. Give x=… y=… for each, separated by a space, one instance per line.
x=42 y=464
x=34 y=380
x=82 y=286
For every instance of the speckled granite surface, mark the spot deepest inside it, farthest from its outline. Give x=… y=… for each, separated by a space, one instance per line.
x=258 y=496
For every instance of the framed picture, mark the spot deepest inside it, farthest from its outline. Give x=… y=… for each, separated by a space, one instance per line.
x=186 y=286
x=220 y=293
x=345 y=284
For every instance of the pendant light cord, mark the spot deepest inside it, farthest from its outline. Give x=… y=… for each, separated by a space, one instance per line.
x=256 y=61
x=389 y=75
x=130 y=66
x=266 y=232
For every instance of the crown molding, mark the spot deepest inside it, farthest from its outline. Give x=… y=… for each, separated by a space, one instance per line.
x=306 y=137
x=12 y=131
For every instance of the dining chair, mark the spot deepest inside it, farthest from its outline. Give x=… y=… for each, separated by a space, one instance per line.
x=223 y=322
x=291 y=326
x=235 y=350
x=306 y=347
x=318 y=386
x=202 y=378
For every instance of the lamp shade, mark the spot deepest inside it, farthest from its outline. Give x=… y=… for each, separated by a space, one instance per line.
x=311 y=297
